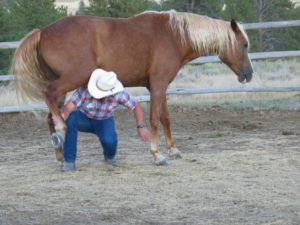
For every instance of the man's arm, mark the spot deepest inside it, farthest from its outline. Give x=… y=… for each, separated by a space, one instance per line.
x=67 y=109
x=139 y=118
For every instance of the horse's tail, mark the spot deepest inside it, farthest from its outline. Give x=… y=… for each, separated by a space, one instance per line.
x=29 y=69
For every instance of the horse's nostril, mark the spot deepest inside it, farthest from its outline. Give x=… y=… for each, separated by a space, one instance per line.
x=248 y=77
x=242 y=78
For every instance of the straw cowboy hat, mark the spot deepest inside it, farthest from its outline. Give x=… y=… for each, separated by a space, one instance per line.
x=103 y=83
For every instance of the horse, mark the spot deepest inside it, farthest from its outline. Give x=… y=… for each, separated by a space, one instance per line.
x=145 y=50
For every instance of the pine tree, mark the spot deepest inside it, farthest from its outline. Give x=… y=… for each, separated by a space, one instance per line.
x=18 y=17
x=81 y=9
x=203 y=7
x=116 y=8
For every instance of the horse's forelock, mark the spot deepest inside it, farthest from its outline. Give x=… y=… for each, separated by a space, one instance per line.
x=206 y=35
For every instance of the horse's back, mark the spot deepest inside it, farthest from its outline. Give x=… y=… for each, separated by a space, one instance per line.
x=82 y=44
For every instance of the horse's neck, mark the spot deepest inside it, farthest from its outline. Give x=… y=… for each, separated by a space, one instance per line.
x=188 y=52
x=203 y=41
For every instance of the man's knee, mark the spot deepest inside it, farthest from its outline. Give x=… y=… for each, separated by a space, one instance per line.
x=109 y=141
x=72 y=119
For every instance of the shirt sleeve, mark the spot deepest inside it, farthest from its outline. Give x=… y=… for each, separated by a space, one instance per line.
x=78 y=96
x=125 y=99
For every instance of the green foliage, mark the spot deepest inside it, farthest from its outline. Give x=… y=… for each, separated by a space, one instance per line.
x=18 y=17
x=240 y=10
x=274 y=39
x=4 y=15
x=5 y=58
x=28 y=14
x=4 y=30
x=152 y=5
x=203 y=7
x=289 y=37
x=116 y=8
x=81 y=9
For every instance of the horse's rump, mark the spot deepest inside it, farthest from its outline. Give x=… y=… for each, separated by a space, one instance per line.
x=32 y=74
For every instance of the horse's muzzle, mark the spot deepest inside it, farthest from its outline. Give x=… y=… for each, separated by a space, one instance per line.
x=245 y=75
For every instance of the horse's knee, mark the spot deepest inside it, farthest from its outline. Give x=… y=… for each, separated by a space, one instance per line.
x=165 y=121
x=154 y=121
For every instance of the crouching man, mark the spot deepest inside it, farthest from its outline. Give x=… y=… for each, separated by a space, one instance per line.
x=91 y=109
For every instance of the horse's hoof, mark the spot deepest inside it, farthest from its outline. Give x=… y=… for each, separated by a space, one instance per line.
x=59 y=153
x=175 y=154
x=57 y=140
x=161 y=161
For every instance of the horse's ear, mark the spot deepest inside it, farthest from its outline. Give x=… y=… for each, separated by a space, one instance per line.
x=234 y=26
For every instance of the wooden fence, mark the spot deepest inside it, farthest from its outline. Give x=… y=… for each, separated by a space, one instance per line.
x=200 y=60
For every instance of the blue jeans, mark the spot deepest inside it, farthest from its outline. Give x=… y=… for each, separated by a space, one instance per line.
x=104 y=129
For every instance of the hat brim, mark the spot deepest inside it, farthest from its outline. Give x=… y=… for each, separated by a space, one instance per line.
x=97 y=93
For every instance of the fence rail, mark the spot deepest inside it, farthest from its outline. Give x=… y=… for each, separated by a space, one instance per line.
x=200 y=60
x=37 y=106
x=273 y=24
x=8 y=45
x=253 y=56
x=189 y=91
x=170 y=91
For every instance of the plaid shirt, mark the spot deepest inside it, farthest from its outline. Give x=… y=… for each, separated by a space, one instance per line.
x=103 y=108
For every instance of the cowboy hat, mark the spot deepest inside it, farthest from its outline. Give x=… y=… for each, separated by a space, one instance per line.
x=103 y=83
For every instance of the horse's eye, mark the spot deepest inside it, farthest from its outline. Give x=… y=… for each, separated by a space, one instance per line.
x=246 y=45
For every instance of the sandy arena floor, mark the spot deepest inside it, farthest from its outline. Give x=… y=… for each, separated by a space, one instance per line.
x=238 y=167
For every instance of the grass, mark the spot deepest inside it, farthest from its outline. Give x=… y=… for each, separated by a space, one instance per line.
x=267 y=73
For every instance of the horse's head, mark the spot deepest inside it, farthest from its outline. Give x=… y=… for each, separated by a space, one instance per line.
x=236 y=57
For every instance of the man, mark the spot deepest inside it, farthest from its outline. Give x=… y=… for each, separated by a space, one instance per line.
x=91 y=109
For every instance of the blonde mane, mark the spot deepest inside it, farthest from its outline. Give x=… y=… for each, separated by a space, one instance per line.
x=206 y=35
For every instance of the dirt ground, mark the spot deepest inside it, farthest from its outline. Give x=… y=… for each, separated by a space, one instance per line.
x=238 y=167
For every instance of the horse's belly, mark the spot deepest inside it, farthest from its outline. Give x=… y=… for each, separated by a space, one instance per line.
x=131 y=70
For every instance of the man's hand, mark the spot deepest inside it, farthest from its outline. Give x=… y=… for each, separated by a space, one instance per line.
x=144 y=134
x=67 y=109
x=142 y=131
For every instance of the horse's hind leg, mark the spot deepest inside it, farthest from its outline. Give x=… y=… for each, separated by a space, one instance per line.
x=49 y=117
x=174 y=153
x=58 y=151
x=52 y=92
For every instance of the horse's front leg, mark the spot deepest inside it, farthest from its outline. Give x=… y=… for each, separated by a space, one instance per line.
x=155 y=106
x=174 y=153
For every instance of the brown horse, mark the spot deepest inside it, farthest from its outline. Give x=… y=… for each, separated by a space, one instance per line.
x=144 y=50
